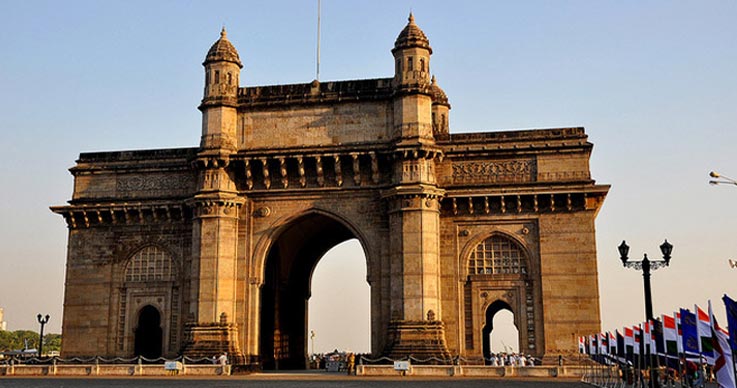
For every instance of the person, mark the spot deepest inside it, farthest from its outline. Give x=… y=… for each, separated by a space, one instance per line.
x=351 y=361
x=223 y=359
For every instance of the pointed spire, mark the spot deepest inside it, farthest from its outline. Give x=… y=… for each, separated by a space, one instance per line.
x=223 y=33
x=411 y=18
x=411 y=36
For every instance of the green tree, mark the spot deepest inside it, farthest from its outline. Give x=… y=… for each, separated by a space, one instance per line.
x=52 y=343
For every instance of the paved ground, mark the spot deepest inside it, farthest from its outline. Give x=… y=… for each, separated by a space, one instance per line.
x=282 y=381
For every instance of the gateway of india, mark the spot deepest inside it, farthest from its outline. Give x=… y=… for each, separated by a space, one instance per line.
x=203 y=250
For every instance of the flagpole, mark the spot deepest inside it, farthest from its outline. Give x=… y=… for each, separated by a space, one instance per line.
x=317 y=70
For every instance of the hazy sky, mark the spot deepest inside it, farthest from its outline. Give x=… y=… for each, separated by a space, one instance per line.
x=653 y=82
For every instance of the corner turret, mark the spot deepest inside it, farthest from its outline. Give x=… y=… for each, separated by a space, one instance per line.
x=440 y=109
x=412 y=56
x=222 y=77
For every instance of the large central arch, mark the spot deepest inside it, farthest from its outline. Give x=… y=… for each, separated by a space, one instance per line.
x=289 y=266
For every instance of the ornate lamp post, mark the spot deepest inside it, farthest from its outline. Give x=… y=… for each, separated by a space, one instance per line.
x=646 y=265
x=42 y=320
x=720 y=179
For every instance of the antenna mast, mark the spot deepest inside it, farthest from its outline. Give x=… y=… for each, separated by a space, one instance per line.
x=317 y=71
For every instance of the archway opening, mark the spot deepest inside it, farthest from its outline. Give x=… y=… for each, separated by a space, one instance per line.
x=500 y=334
x=339 y=309
x=285 y=294
x=148 y=341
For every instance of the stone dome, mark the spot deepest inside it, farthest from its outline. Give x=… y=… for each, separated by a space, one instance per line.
x=411 y=36
x=438 y=94
x=223 y=50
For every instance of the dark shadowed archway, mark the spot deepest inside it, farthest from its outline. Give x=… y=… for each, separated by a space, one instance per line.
x=491 y=311
x=286 y=291
x=148 y=333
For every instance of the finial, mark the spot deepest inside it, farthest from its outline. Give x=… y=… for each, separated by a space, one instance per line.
x=411 y=18
x=223 y=33
x=432 y=80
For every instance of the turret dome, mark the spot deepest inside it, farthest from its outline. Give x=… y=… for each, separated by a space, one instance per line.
x=411 y=36
x=438 y=95
x=223 y=50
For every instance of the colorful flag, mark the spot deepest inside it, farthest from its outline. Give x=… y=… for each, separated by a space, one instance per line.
x=620 y=344
x=690 y=332
x=723 y=364
x=637 y=334
x=581 y=345
x=592 y=344
x=647 y=338
x=731 y=306
x=603 y=343
x=629 y=343
x=658 y=337
x=706 y=346
x=670 y=335
x=612 y=344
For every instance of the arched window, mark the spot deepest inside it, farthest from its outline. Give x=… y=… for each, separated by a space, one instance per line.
x=422 y=64
x=410 y=65
x=497 y=255
x=150 y=264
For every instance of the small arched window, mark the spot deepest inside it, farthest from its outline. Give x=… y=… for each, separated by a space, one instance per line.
x=422 y=64
x=410 y=65
x=230 y=78
x=150 y=264
x=497 y=255
x=399 y=66
x=217 y=76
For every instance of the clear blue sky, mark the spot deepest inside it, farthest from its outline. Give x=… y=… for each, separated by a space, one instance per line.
x=653 y=82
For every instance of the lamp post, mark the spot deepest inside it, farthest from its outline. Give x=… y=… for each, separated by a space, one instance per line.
x=42 y=320
x=646 y=265
x=312 y=337
x=720 y=179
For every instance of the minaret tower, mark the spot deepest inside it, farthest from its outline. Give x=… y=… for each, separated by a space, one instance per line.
x=416 y=327
x=211 y=328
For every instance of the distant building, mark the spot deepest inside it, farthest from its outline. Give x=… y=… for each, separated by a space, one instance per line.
x=3 y=324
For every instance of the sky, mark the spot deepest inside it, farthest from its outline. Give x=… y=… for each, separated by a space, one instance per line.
x=653 y=82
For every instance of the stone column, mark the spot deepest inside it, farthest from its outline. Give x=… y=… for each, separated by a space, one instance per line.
x=211 y=329
x=416 y=326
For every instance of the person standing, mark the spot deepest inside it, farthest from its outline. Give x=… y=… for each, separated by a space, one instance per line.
x=351 y=361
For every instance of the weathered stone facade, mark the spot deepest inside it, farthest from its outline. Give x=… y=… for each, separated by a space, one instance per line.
x=210 y=249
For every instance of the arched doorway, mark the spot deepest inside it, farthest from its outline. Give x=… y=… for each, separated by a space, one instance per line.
x=286 y=290
x=148 y=333
x=492 y=312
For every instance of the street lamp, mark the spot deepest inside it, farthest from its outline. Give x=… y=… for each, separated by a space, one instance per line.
x=646 y=265
x=42 y=320
x=720 y=179
x=312 y=337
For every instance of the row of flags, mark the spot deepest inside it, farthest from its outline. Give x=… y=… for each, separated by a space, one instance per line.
x=695 y=335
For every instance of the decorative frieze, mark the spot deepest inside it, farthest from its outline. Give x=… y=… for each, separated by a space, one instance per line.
x=496 y=171
x=128 y=213
x=127 y=184
x=504 y=204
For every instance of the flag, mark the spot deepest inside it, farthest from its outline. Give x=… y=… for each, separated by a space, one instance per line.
x=731 y=306
x=592 y=344
x=637 y=334
x=603 y=343
x=723 y=364
x=679 y=330
x=581 y=345
x=706 y=347
x=629 y=343
x=690 y=332
x=612 y=344
x=647 y=337
x=658 y=337
x=620 y=345
x=670 y=335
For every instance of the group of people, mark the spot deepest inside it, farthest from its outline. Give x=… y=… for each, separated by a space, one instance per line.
x=335 y=362
x=511 y=359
